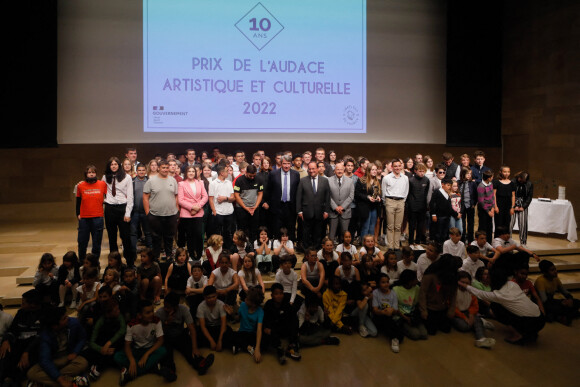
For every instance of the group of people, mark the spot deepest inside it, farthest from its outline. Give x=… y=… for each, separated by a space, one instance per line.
x=233 y=222
x=187 y=199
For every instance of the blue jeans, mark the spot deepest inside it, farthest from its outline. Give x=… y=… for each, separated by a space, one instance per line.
x=140 y=219
x=365 y=320
x=368 y=227
x=90 y=228
x=456 y=223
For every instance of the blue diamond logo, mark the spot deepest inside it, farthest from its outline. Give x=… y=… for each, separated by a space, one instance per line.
x=259 y=26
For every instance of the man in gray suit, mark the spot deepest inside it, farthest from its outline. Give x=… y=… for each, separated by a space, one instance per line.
x=313 y=206
x=341 y=196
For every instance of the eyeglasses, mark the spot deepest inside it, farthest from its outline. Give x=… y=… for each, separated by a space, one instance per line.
x=441 y=172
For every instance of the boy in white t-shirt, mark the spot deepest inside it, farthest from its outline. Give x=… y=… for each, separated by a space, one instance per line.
x=453 y=245
x=287 y=277
x=504 y=244
x=485 y=249
x=194 y=288
x=407 y=262
x=143 y=346
x=472 y=263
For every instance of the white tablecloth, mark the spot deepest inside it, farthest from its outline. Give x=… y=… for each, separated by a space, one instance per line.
x=556 y=216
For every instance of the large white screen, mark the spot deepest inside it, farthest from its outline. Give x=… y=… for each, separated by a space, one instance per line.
x=100 y=73
x=247 y=66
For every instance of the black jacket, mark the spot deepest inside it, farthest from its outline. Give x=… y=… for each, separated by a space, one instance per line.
x=525 y=193
x=418 y=191
x=441 y=206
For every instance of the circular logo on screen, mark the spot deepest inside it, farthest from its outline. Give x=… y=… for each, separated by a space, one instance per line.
x=350 y=115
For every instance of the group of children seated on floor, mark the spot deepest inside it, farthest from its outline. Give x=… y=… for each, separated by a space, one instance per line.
x=341 y=289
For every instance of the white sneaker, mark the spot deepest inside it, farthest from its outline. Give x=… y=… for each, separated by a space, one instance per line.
x=363 y=331
x=395 y=345
x=61 y=304
x=487 y=324
x=485 y=342
x=73 y=305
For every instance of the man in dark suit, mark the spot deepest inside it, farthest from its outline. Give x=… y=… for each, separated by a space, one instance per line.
x=313 y=205
x=281 y=197
x=341 y=196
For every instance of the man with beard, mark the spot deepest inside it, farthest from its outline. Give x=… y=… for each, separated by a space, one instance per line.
x=89 y=210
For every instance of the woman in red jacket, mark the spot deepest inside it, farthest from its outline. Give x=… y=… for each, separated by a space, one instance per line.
x=192 y=196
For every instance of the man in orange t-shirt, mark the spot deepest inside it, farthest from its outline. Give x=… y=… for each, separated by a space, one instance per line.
x=89 y=209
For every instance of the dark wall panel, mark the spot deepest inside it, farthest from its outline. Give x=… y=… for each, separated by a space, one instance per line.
x=474 y=73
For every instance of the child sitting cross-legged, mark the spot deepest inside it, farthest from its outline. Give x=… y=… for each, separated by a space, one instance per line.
x=88 y=296
x=179 y=333
x=466 y=313
x=46 y=277
x=334 y=301
x=226 y=281
x=68 y=278
x=366 y=326
x=280 y=322
x=149 y=277
x=287 y=277
x=61 y=342
x=178 y=273
x=311 y=324
x=194 y=288
x=213 y=330
x=406 y=263
x=20 y=345
x=473 y=262
x=386 y=312
x=106 y=339
x=249 y=336
x=143 y=349
x=407 y=292
x=128 y=294
x=547 y=285
x=250 y=276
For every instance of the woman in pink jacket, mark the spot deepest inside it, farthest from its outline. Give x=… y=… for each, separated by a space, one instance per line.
x=192 y=196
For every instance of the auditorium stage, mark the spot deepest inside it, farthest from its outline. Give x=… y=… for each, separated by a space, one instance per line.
x=27 y=231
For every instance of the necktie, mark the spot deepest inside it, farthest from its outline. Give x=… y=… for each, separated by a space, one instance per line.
x=314 y=184
x=113 y=188
x=284 y=186
x=339 y=183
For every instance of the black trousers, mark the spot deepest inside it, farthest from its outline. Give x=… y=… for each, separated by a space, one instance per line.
x=442 y=227
x=526 y=326
x=468 y=221
x=214 y=332
x=437 y=320
x=390 y=327
x=114 y=219
x=285 y=218
x=163 y=230
x=181 y=343
x=248 y=223
x=417 y=227
x=485 y=223
x=223 y=225
x=313 y=230
x=194 y=236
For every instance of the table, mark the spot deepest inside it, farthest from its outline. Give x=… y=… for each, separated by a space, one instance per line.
x=556 y=216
